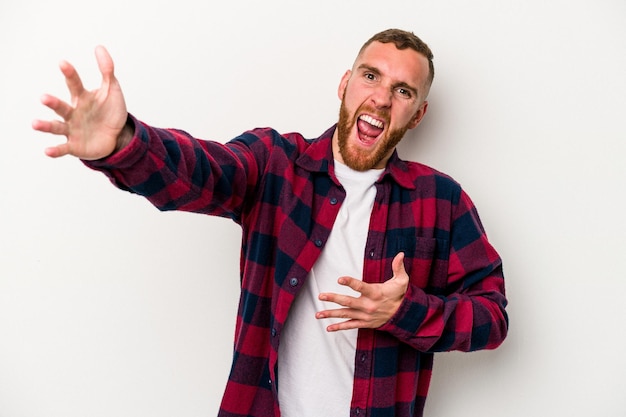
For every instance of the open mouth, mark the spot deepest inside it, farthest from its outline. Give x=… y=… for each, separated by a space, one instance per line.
x=369 y=128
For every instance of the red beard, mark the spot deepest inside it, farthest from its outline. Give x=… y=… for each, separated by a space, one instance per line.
x=362 y=159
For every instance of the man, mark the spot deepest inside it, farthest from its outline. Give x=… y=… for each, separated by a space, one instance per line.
x=356 y=266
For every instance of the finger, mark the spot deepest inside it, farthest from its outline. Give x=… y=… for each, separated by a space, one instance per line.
x=343 y=300
x=339 y=313
x=352 y=319
x=55 y=127
x=60 y=107
x=72 y=80
x=397 y=265
x=105 y=65
x=57 y=151
x=347 y=325
x=355 y=284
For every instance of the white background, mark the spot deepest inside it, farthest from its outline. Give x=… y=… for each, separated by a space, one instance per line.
x=111 y=308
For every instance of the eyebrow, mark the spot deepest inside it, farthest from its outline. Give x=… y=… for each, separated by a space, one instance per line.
x=402 y=84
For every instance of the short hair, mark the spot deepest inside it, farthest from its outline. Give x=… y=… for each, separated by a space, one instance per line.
x=403 y=40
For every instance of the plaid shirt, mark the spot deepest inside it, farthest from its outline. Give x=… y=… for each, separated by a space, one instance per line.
x=282 y=191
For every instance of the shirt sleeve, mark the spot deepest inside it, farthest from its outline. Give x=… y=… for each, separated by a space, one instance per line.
x=175 y=171
x=469 y=313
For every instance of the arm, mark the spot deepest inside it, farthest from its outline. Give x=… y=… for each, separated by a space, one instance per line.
x=94 y=123
x=169 y=167
x=468 y=320
x=467 y=313
x=176 y=171
x=466 y=310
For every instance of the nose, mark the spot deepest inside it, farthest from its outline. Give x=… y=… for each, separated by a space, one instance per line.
x=381 y=97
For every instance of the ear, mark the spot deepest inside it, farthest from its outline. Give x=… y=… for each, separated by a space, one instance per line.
x=343 y=84
x=419 y=115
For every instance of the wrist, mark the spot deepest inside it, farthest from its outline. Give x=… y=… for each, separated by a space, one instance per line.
x=125 y=136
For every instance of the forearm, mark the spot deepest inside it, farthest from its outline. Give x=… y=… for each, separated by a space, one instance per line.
x=465 y=321
x=461 y=306
x=174 y=170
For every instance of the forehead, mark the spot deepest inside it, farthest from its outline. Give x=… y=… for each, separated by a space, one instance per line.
x=401 y=65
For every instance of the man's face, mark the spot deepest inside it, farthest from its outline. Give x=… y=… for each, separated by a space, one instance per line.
x=382 y=97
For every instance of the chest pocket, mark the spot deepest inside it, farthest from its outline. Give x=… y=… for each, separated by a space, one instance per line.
x=425 y=260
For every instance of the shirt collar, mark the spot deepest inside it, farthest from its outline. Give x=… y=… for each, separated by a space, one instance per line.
x=318 y=157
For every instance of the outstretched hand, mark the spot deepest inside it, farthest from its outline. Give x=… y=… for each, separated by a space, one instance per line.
x=376 y=304
x=94 y=121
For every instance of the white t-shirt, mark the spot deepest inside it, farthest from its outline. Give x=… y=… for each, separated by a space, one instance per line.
x=315 y=367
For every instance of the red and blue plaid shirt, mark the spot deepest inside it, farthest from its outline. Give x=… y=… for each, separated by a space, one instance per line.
x=282 y=190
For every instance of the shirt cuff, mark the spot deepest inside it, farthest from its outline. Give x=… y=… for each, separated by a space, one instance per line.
x=128 y=155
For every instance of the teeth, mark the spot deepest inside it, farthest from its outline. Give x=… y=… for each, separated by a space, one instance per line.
x=372 y=121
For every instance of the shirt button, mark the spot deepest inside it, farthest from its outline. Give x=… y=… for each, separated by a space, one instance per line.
x=357 y=411
x=273 y=332
x=363 y=357
x=372 y=254
x=293 y=282
x=333 y=201
x=318 y=243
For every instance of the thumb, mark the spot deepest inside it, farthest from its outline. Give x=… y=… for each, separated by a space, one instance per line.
x=397 y=265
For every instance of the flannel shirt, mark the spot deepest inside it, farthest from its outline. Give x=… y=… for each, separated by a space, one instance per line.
x=281 y=189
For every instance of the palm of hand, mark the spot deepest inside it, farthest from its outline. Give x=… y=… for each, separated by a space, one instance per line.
x=94 y=119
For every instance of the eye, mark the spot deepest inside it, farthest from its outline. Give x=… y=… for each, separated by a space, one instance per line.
x=369 y=76
x=403 y=92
